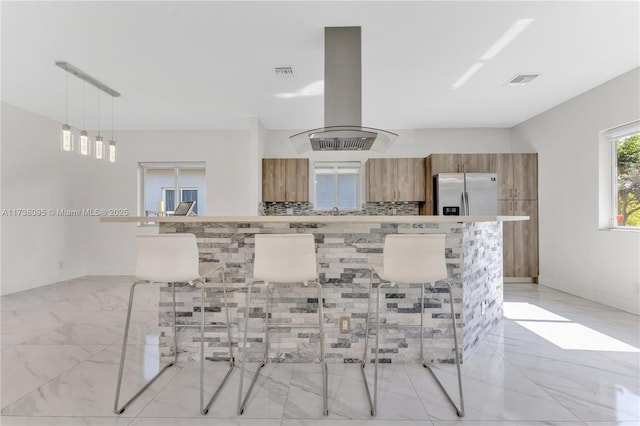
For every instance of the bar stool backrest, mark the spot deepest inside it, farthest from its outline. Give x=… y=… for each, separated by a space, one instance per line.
x=415 y=258
x=167 y=258
x=285 y=258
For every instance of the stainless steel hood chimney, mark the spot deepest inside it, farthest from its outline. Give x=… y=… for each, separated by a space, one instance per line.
x=342 y=100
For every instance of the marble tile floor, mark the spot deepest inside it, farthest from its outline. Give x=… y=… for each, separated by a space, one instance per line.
x=60 y=348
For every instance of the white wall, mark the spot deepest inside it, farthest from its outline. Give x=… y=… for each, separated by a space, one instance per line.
x=575 y=255
x=36 y=174
x=230 y=183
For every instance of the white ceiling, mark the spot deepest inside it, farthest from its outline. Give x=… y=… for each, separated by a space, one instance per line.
x=210 y=65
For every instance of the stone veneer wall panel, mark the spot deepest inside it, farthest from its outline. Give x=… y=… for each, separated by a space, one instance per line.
x=344 y=253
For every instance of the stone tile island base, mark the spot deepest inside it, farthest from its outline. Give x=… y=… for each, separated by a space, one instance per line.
x=344 y=251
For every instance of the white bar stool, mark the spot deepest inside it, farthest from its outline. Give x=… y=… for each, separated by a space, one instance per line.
x=282 y=258
x=173 y=258
x=412 y=259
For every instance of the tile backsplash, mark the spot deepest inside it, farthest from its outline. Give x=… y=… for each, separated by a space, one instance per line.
x=368 y=209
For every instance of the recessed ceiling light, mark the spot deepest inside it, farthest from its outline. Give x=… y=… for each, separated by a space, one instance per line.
x=521 y=79
x=284 y=71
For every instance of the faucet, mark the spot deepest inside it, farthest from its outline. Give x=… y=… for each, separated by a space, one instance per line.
x=335 y=212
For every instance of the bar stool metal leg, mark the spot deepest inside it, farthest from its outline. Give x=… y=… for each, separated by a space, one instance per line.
x=374 y=403
x=459 y=411
x=120 y=410
x=204 y=409
x=242 y=402
x=365 y=354
x=325 y=377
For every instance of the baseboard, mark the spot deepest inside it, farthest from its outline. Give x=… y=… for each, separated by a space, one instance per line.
x=519 y=280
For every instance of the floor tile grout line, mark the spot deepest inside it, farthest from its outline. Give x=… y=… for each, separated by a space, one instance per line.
x=535 y=383
x=415 y=390
x=57 y=376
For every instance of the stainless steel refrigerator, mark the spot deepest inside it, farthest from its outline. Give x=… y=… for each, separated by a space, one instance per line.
x=465 y=194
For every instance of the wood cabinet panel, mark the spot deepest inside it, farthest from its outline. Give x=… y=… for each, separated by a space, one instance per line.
x=475 y=163
x=382 y=176
x=285 y=179
x=410 y=172
x=297 y=179
x=504 y=171
x=525 y=176
x=517 y=176
x=274 y=179
x=395 y=179
x=525 y=239
x=505 y=207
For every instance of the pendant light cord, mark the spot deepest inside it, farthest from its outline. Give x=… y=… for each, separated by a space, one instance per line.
x=83 y=108
x=112 y=118
x=66 y=99
x=98 y=113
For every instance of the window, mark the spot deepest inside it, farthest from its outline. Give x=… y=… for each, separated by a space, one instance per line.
x=625 y=145
x=160 y=182
x=337 y=185
x=187 y=194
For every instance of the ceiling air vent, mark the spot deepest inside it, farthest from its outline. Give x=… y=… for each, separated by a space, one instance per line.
x=284 y=72
x=522 y=79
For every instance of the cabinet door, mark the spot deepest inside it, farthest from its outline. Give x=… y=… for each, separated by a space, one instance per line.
x=445 y=163
x=504 y=172
x=505 y=208
x=297 y=179
x=525 y=239
x=525 y=176
x=411 y=175
x=475 y=163
x=273 y=179
x=382 y=178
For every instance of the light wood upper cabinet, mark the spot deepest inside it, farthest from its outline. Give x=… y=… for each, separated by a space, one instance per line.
x=517 y=176
x=475 y=163
x=395 y=179
x=410 y=179
x=285 y=179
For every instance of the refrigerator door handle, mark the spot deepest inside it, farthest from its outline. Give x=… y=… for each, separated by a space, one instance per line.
x=466 y=198
x=465 y=204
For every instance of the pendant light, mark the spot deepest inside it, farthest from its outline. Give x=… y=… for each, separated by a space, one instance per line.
x=99 y=151
x=85 y=143
x=66 y=137
x=112 y=142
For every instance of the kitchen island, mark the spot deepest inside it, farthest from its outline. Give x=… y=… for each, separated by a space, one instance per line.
x=346 y=246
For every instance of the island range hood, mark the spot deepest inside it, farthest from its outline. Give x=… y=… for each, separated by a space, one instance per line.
x=343 y=100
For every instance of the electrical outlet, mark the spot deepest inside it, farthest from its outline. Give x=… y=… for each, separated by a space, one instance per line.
x=290 y=211
x=345 y=325
x=394 y=211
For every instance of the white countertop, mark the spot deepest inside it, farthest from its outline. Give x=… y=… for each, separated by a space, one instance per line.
x=312 y=219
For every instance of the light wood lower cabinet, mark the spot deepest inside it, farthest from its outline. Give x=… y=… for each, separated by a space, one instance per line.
x=520 y=239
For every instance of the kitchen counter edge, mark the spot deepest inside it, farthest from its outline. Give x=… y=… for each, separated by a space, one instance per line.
x=310 y=219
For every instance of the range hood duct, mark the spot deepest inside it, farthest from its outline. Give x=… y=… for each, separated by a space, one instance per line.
x=343 y=129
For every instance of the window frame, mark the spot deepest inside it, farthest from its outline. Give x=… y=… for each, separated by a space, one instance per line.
x=164 y=190
x=338 y=165
x=176 y=166
x=612 y=136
